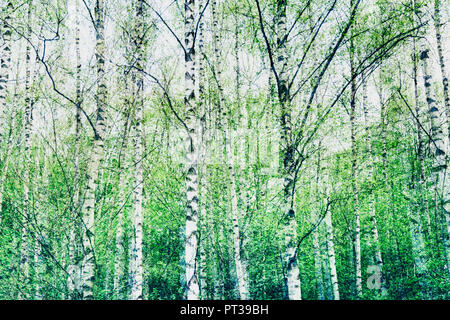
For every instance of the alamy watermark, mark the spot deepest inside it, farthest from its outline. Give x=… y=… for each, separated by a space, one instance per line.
x=374 y=280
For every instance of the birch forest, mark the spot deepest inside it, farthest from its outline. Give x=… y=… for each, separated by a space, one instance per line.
x=224 y=149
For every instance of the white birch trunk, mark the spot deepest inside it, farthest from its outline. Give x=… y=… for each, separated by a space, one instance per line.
x=331 y=256
x=137 y=277
x=74 y=268
x=25 y=256
x=287 y=171
x=439 y=147
x=119 y=256
x=357 y=239
x=5 y=61
x=9 y=144
x=240 y=268
x=192 y=285
x=437 y=27
x=205 y=227
x=372 y=213
x=437 y=24
x=330 y=248
x=88 y=209
x=316 y=248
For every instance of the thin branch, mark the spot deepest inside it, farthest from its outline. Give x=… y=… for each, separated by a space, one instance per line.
x=418 y=121
x=268 y=47
x=167 y=26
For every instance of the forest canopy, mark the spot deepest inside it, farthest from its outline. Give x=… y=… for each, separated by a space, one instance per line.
x=224 y=149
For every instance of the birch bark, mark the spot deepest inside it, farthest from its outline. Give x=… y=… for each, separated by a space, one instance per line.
x=331 y=252
x=88 y=209
x=192 y=285
x=445 y=184
x=357 y=239
x=439 y=147
x=437 y=28
x=74 y=269
x=372 y=212
x=205 y=227
x=5 y=62
x=332 y=256
x=316 y=248
x=136 y=287
x=25 y=254
x=288 y=164
x=119 y=258
x=9 y=144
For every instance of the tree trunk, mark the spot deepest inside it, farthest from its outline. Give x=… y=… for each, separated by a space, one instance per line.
x=372 y=212
x=328 y=286
x=136 y=287
x=9 y=144
x=88 y=209
x=191 y=156
x=437 y=24
x=316 y=248
x=5 y=62
x=288 y=167
x=37 y=217
x=205 y=227
x=331 y=253
x=119 y=263
x=74 y=269
x=439 y=176
x=357 y=239
x=25 y=254
x=331 y=256
x=240 y=268
x=437 y=27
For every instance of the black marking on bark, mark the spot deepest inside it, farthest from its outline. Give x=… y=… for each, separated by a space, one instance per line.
x=424 y=54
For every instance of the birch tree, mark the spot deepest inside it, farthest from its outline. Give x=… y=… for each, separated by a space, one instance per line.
x=88 y=209
x=191 y=155
x=136 y=276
